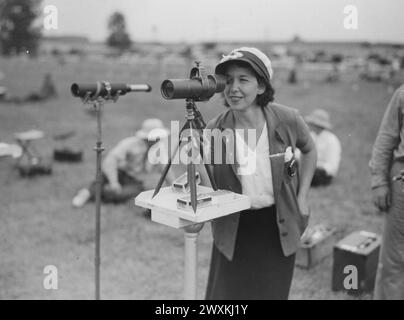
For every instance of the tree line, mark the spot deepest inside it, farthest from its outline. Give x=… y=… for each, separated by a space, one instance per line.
x=21 y=28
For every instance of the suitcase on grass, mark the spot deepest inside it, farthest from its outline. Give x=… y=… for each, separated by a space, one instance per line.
x=355 y=262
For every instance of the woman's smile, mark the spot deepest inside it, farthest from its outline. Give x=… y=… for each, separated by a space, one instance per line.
x=235 y=99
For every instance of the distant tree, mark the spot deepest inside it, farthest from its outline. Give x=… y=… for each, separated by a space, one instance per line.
x=18 y=29
x=297 y=39
x=187 y=52
x=209 y=46
x=118 y=37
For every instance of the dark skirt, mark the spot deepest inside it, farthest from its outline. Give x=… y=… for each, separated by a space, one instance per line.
x=259 y=270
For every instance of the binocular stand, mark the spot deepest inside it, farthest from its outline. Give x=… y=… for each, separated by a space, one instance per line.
x=97 y=95
x=98 y=103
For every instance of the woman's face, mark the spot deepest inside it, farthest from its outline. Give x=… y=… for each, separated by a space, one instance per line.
x=242 y=87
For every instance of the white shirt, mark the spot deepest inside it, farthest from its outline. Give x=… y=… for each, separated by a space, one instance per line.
x=129 y=155
x=328 y=151
x=255 y=170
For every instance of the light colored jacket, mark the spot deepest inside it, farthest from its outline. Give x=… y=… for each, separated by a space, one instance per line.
x=389 y=144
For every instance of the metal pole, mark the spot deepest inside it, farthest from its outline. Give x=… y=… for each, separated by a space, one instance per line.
x=191 y=261
x=98 y=148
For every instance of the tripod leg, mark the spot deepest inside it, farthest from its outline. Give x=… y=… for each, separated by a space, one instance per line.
x=168 y=165
x=192 y=184
x=163 y=176
x=24 y=153
x=200 y=124
x=210 y=175
x=207 y=168
x=191 y=168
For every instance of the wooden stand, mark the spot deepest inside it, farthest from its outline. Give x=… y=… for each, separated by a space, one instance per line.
x=164 y=210
x=25 y=141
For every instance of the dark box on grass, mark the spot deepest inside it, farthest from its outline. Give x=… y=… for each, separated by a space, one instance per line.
x=315 y=245
x=355 y=262
x=67 y=155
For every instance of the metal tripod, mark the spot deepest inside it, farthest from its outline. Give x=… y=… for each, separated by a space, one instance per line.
x=98 y=103
x=194 y=121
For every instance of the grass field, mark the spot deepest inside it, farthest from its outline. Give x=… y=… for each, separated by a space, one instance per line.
x=141 y=259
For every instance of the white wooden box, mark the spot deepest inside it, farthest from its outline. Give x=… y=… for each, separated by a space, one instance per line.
x=164 y=208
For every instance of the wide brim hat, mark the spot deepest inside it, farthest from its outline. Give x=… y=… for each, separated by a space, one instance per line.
x=152 y=129
x=257 y=60
x=319 y=118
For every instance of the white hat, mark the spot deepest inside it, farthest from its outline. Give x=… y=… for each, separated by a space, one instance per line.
x=258 y=60
x=152 y=129
x=320 y=118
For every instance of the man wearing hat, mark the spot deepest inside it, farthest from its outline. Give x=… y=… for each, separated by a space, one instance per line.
x=128 y=163
x=328 y=147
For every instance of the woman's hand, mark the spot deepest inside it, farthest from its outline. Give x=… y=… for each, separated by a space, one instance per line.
x=304 y=210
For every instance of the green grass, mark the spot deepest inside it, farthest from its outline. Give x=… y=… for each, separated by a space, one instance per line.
x=142 y=259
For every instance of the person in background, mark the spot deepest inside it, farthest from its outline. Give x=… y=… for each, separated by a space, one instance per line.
x=47 y=91
x=328 y=147
x=387 y=161
x=126 y=166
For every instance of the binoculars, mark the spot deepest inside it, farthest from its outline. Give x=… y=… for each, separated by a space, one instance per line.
x=195 y=89
x=199 y=87
x=105 y=89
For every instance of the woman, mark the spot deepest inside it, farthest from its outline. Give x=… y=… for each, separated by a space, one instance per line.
x=254 y=250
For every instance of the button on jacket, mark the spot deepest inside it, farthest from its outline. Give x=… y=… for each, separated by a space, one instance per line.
x=285 y=128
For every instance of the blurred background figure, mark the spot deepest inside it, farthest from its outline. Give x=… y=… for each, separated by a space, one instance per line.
x=335 y=73
x=3 y=90
x=293 y=71
x=328 y=147
x=48 y=89
x=388 y=161
x=126 y=166
x=292 y=78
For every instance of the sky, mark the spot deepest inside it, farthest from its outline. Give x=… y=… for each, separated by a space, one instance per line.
x=233 y=20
